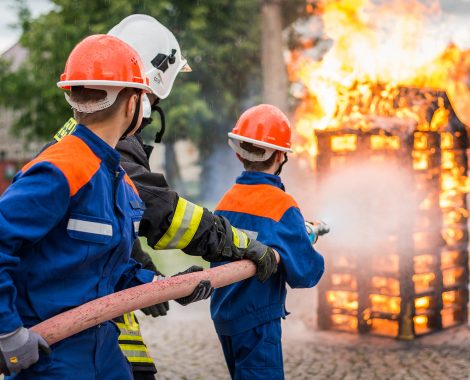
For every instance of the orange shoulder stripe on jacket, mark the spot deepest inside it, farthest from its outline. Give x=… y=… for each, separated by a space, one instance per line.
x=259 y=200
x=73 y=158
x=130 y=183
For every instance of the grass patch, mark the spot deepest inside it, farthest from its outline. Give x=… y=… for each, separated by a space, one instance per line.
x=173 y=261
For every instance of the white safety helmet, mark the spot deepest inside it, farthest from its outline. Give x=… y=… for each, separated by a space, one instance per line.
x=158 y=49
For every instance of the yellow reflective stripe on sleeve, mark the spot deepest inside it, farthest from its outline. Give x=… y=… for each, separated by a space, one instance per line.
x=130 y=337
x=183 y=227
x=236 y=239
x=192 y=228
x=240 y=238
x=132 y=347
x=67 y=129
x=138 y=359
x=174 y=226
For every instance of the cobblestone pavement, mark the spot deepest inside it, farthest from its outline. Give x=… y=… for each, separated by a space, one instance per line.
x=186 y=347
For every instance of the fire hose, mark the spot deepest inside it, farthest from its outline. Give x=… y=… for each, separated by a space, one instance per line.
x=111 y=306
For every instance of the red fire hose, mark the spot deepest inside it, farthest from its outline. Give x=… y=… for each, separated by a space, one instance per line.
x=106 y=308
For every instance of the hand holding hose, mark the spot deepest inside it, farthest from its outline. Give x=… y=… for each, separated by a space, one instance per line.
x=20 y=349
x=316 y=229
x=202 y=291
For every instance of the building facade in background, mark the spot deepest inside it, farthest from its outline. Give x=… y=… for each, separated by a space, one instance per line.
x=15 y=150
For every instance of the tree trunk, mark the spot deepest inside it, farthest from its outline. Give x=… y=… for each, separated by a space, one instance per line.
x=275 y=85
x=172 y=169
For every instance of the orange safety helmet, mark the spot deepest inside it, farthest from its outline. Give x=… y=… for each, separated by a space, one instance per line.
x=103 y=60
x=105 y=63
x=265 y=126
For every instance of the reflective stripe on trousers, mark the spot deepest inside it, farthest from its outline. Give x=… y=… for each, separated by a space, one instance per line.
x=131 y=341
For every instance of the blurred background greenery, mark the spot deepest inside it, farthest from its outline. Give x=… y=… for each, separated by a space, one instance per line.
x=221 y=39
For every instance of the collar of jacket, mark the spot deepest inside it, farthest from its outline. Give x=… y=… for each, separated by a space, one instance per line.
x=107 y=154
x=133 y=147
x=260 y=178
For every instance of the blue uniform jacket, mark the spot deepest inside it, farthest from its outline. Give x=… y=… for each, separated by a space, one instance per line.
x=67 y=224
x=258 y=204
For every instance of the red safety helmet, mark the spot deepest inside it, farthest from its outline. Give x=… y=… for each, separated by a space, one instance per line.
x=265 y=126
x=104 y=60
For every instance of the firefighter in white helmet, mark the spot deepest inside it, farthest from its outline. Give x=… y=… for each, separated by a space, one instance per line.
x=170 y=221
x=158 y=49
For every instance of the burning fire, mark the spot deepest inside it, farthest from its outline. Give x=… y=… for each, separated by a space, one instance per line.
x=373 y=49
x=378 y=77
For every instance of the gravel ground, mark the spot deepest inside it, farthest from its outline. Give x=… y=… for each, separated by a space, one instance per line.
x=186 y=347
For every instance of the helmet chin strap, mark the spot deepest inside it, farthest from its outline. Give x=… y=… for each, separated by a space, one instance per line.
x=279 y=169
x=148 y=120
x=134 y=118
x=145 y=121
x=159 y=134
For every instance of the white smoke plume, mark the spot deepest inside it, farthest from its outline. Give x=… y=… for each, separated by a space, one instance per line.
x=364 y=204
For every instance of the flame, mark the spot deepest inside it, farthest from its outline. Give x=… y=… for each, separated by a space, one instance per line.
x=421 y=324
x=377 y=66
x=385 y=285
x=423 y=282
x=344 y=322
x=449 y=259
x=384 y=304
x=344 y=280
x=384 y=327
x=343 y=299
x=422 y=303
x=452 y=277
x=423 y=263
x=372 y=48
x=449 y=298
x=449 y=317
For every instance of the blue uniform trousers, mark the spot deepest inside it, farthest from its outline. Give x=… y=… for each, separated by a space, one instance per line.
x=93 y=354
x=255 y=354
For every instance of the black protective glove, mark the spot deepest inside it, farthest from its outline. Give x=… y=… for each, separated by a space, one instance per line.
x=20 y=349
x=158 y=310
x=202 y=291
x=264 y=258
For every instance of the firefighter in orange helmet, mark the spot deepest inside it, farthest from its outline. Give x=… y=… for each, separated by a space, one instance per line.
x=68 y=222
x=247 y=315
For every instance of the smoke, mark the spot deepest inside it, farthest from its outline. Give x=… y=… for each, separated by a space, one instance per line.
x=222 y=169
x=365 y=204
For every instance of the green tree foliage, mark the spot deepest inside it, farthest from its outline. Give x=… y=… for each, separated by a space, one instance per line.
x=218 y=37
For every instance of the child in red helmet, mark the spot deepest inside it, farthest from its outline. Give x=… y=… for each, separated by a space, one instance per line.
x=247 y=315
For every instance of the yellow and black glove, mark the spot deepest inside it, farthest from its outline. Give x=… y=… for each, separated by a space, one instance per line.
x=264 y=258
